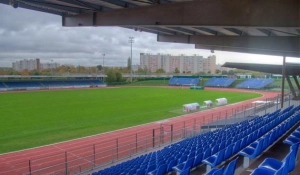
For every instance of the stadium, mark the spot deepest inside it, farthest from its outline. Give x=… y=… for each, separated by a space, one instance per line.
x=163 y=124
x=125 y=136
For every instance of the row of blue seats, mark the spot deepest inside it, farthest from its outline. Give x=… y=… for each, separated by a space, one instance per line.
x=271 y=166
x=255 y=149
x=28 y=84
x=219 y=82
x=22 y=84
x=255 y=83
x=2 y=85
x=249 y=137
x=293 y=138
x=177 y=81
x=189 y=153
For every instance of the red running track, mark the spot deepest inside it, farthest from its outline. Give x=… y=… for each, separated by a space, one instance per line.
x=79 y=150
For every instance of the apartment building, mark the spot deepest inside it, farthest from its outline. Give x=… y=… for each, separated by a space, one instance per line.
x=32 y=64
x=184 y=64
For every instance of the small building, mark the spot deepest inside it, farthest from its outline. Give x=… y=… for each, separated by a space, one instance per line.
x=191 y=107
x=208 y=103
x=221 y=101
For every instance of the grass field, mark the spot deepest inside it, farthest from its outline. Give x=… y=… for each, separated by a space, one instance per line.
x=30 y=119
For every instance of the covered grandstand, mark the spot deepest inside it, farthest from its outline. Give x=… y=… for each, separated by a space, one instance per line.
x=219 y=82
x=13 y=85
x=288 y=71
x=184 y=81
x=255 y=83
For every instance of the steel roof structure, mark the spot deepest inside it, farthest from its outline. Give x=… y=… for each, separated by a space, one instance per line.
x=291 y=68
x=287 y=70
x=269 y=27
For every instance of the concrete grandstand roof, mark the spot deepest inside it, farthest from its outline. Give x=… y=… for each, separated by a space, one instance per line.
x=291 y=69
x=77 y=7
x=261 y=27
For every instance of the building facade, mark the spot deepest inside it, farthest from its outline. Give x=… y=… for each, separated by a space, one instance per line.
x=182 y=63
x=49 y=65
x=33 y=64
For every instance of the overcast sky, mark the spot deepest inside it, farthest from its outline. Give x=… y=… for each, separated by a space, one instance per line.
x=27 y=34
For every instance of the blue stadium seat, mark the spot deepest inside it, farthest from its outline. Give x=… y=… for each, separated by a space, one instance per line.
x=265 y=171
x=140 y=172
x=253 y=150
x=228 y=151
x=216 y=171
x=185 y=172
x=291 y=140
x=230 y=168
x=171 y=165
x=160 y=171
x=198 y=160
x=215 y=159
x=183 y=166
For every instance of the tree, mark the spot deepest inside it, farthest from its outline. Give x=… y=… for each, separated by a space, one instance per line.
x=142 y=70
x=231 y=72
x=25 y=72
x=224 y=72
x=176 y=71
x=218 y=71
x=80 y=69
x=118 y=76
x=99 y=67
x=93 y=70
x=34 y=72
x=160 y=71
x=111 y=76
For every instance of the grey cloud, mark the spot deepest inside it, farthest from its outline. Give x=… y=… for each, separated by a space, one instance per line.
x=26 y=34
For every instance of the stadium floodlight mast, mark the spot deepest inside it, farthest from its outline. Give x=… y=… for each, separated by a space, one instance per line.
x=51 y=66
x=103 y=54
x=131 y=40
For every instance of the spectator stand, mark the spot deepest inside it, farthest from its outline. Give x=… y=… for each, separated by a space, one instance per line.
x=219 y=82
x=191 y=107
x=255 y=83
x=221 y=101
x=184 y=81
x=207 y=104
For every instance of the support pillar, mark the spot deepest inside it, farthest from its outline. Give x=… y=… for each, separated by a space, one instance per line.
x=282 y=83
x=291 y=86
x=297 y=82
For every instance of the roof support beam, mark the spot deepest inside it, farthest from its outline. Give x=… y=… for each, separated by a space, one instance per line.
x=291 y=86
x=297 y=82
x=266 y=13
x=282 y=82
x=289 y=46
x=120 y=3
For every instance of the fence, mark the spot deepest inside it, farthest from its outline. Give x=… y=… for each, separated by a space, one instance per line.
x=99 y=155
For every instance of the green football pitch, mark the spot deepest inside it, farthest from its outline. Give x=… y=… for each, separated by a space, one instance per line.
x=30 y=119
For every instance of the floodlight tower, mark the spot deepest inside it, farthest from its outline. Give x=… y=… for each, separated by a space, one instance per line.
x=103 y=54
x=131 y=40
x=51 y=66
